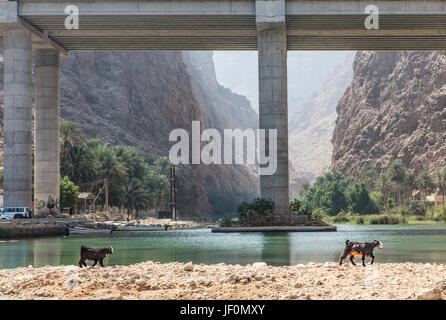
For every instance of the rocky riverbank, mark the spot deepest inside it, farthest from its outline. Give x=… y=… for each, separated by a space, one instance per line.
x=17 y=230
x=58 y=226
x=151 y=280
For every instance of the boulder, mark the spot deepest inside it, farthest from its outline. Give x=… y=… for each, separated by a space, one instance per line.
x=429 y=294
x=259 y=265
x=189 y=267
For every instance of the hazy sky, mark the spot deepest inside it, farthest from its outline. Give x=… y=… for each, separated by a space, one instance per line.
x=307 y=71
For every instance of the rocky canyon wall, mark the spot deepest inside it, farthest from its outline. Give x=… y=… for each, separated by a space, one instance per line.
x=394 y=108
x=138 y=98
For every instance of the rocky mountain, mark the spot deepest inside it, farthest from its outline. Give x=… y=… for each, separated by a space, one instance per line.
x=138 y=98
x=312 y=123
x=316 y=81
x=395 y=107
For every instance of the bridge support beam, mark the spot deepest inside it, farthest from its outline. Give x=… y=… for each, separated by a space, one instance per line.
x=46 y=157
x=273 y=96
x=17 y=118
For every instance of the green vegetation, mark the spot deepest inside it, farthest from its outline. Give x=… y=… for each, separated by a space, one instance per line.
x=135 y=182
x=256 y=212
x=394 y=196
x=260 y=212
x=348 y=218
x=359 y=199
x=68 y=192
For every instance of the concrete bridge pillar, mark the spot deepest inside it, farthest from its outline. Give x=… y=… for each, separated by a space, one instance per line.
x=273 y=95
x=46 y=156
x=17 y=180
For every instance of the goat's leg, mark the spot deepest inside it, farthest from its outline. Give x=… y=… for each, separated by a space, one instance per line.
x=351 y=260
x=85 y=264
x=95 y=262
x=100 y=261
x=80 y=263
x=344 y=255
x=363 y=260
x=373 y=259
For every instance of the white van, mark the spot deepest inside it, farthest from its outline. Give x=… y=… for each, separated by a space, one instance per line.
x=15 y=213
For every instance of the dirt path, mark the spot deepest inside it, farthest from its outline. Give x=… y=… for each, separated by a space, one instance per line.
x=151 y=280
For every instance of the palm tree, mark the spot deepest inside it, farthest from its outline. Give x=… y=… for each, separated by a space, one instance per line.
x=425 y=182
x=111 y=168
x=347 y=182
x=136 y=196
x=440 y=181
x=76 y=160
x=71 y=136
x=158 y=186
x=82 y=167
x=384 y=185
x=369 y=177
x=397 y=174
x=163 y=165
x=410 y=183
x=133 y=160
x=443 y=173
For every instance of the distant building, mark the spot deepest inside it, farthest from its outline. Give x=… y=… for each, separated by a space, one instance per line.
x=84 y=199
x=437 y=198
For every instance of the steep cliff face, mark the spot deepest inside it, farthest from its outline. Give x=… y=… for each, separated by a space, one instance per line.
x=312 y=124
x=316 y=81
x=138 y=98
x=394 y=108
x=130 y=98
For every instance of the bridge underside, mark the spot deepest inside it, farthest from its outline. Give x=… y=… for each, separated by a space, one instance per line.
x=239 y=32
x=272 y=27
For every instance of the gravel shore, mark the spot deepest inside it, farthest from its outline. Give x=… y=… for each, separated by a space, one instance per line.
x=152 y=280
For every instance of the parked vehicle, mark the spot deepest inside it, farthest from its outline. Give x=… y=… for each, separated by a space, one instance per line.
x=2 y=216
x=15 y=213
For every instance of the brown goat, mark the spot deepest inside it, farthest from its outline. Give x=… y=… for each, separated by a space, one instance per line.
x=94 y=254
x=360 y=249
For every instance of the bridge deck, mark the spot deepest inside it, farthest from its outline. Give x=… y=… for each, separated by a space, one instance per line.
x=231 y=24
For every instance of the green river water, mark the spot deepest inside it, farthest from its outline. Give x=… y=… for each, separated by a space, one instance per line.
x=402 y=243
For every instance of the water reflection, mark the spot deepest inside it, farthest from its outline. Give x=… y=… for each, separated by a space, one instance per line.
x=47 y=252
x=276 y=248
x=401 y=244
x=16 y=254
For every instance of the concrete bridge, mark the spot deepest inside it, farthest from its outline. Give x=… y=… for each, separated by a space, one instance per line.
x=270 y=26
